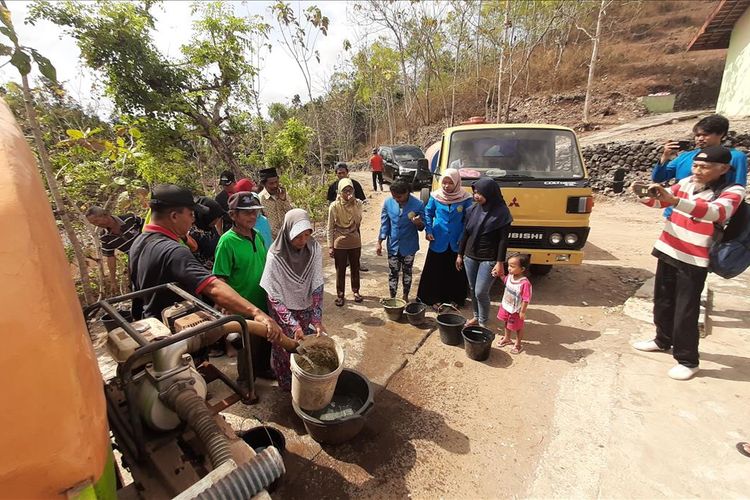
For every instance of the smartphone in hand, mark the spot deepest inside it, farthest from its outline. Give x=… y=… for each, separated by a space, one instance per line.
x=684 y=145
x=641 y=190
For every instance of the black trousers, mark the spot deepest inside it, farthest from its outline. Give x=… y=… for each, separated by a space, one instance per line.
x=342 y=259
x=677 y=302
x=379 y=177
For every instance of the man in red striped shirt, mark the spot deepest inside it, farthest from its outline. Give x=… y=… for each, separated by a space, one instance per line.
x=706 y=198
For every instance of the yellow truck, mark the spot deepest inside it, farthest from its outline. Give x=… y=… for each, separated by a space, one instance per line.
x=542 y=176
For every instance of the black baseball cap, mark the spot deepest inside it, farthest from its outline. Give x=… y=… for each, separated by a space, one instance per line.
x=172 y=196
x=244 y=200
x=714 y=154
x=226 y=178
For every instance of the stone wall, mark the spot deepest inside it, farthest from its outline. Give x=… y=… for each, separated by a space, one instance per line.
x=635 y=159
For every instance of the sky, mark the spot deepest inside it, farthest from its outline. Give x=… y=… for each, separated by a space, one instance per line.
x=281 y=79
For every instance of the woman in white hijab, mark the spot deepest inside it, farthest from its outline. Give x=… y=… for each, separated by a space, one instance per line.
x=293 y=280
x=444 y=218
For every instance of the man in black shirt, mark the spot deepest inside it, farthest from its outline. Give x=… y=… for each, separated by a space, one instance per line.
x=118 y=233
x=158 y=256
x=342 y=172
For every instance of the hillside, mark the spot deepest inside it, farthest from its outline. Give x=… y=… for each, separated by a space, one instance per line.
x=639 y=55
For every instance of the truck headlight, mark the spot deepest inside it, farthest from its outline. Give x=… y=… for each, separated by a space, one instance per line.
x=571 y=239
x=555 y=238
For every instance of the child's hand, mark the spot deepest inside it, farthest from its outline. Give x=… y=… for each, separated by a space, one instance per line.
x=379 y=249
x=330 y=252
x=522 y=315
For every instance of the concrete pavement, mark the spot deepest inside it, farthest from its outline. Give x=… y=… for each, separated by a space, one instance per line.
x=623 y=429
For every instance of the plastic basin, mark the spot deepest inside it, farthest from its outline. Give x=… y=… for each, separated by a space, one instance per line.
x=345 y=416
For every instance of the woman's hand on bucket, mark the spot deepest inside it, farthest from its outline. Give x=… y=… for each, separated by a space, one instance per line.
x=320 y=329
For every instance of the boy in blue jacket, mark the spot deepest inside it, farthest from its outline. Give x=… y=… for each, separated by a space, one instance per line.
x=401 y=218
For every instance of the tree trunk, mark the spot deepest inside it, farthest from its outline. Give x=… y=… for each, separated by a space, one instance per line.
x=478 y=47
x=502 y=59
x=592 y=64
x=455 y=68
x=88 y=294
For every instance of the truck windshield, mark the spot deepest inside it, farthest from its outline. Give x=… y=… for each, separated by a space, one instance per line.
x=517 y=153
x=407 y=154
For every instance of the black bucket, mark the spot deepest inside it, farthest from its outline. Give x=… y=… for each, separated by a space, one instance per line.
x=415 y=313
x=344 y=418
x=260 y=438
x=450 y=326
x=109 y=322
x=477 y=342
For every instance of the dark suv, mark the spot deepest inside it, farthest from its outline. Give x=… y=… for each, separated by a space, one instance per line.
x=403 y=162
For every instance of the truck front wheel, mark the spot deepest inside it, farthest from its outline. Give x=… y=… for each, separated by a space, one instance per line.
x=540 y=269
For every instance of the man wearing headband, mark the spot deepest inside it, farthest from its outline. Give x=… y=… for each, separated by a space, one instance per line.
x=275 y=201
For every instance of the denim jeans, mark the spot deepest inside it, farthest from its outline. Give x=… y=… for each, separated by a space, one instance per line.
x=479 y=273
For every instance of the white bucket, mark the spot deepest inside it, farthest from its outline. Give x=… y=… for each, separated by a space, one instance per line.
x=314 y=392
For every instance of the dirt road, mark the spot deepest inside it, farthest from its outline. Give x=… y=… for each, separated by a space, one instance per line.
x=542 y=423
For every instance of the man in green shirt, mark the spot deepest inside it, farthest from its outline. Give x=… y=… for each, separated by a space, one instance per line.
x=239 y=260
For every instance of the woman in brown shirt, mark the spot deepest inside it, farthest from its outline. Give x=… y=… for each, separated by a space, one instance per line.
x=344 y=241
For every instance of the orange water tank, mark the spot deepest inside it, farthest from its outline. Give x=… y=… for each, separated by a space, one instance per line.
x=53 y=424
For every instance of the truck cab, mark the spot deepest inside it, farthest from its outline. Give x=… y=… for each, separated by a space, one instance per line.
x=541 y=173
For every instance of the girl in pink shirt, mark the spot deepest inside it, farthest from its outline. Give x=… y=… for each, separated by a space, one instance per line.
x=515 y=301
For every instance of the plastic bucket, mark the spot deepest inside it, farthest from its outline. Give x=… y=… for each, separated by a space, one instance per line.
x=477 y=342
x=450 y=326
x=415 y=313
x=394 y=308
x=344 y=418
x=260 y=438
x=314 y=392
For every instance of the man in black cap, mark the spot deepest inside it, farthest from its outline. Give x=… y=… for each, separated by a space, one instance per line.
x=700 y=203
x=342 y=172
x=158 y=256
x=275 y=201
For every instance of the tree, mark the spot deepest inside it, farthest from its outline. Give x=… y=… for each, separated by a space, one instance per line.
x=21 y=58
x=205 y=88
x=603 y=4
x=300 y=42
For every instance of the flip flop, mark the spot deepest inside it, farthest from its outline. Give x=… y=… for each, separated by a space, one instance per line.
x=517 y=349
x=358 y=298
x=744 y=448
x=503 y=343
x=339 y=301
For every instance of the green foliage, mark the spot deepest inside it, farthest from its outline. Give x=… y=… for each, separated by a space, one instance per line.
x=308 y=191
x=290 y=145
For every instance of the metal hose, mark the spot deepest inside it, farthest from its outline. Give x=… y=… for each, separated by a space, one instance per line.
x=191 y=409
x=248 y=479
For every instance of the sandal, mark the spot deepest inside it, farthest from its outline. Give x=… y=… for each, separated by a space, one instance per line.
x=516 y=349
x=744 y=448
x=503 y=343
x=339 y=301
x=357 y=297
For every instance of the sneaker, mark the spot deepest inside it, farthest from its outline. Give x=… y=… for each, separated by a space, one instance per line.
x=682 y=372
x=647 y=346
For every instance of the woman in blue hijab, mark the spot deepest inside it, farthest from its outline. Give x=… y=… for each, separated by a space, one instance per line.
x=482 y=249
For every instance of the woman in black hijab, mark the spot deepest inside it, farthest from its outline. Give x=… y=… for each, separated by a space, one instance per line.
x=482 y=249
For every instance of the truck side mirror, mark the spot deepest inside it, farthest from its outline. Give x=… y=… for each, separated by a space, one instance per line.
x=423 y=164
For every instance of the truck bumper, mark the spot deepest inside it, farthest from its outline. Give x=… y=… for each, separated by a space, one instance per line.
x=551 y=257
